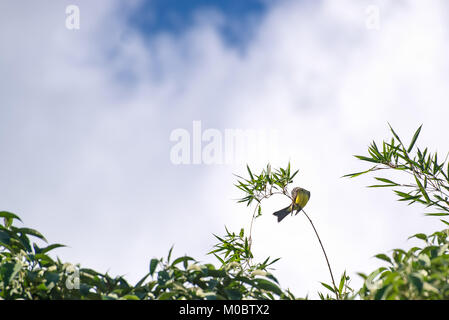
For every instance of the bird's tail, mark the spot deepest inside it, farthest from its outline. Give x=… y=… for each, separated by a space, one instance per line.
x=281 y=214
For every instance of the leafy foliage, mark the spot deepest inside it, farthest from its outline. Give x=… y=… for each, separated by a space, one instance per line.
x=236 y=278
x=419 y=273
x=342 y=292
x=429 y=183
x=269 y=182
x=28 y=272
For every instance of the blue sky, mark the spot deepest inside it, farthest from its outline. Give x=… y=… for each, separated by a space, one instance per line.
x=177 y=15
x=88 y=154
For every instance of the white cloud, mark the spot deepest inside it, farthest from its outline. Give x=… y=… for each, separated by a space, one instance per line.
x=85 y=120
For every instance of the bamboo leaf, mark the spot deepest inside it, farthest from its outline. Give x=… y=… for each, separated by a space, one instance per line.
x=249 y=171
x=353 y=175
x=367 y=159
x=328 y=287
x=423 y=191
x=437 y=214
x=386 y=181
x=394 y=133
x=415 y=137
x=382 y=185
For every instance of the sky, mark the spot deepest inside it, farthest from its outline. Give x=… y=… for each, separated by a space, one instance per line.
x=88 y=116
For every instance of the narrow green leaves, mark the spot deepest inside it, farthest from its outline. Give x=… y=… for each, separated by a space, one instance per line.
x=415 y=137
x=257 y=187
x=388 y=183
x=367 y=159
x=430 y=183
x=421 y=188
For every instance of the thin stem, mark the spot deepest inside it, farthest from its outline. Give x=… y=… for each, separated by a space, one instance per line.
x=250 y=240
x=325 y=255
x=266 y=195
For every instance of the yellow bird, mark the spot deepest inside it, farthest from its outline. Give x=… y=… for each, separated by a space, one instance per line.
x=300 y=197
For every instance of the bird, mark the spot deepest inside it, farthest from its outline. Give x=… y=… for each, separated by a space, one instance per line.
x=300 y=197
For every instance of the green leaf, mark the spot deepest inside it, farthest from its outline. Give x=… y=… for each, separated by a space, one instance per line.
x=416 y=281
x=5 y=238
x=394 y=133
x=249 y=171
x=8 y=218
x=415 y=137
x=382 y=293
x=328 y=287
x=153 y=265
x=406 y=196
x=167 y=295
x=367 y=159
x=268 y=285
x=233 y=294
x=384 y=257
x=386 y=181
x=362 y=275
x=293 y=175
x=9 y=270
x=169 y=254
x=216 y=273
x=211 y=296
x=424 y=259
x=32 y=232
x=342 y=283
x=51 y=277
x=219 y=259
x=437 y=214
x=420 y=236
x=423 y=191
x=382 y=185
x=25 y=242
x=181 y=259
x=90 y=272
x=42 y=287
x=353 y=175
x=436 y=167
x=141 y=281
x=44 y=259
x=51 y=247
x=162 y=277
x=374 y=151
x=9 y=215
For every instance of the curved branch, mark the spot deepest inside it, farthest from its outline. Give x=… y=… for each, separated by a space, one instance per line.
x=325 y=255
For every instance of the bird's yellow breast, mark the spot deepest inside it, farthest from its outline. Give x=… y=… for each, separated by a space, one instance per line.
x=302 y=198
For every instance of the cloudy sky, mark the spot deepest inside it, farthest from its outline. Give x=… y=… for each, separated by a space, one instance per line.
x=86 y=117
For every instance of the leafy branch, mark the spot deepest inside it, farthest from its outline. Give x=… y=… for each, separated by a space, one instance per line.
x=429 y=184
x=263 y=186
x=268 y=183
